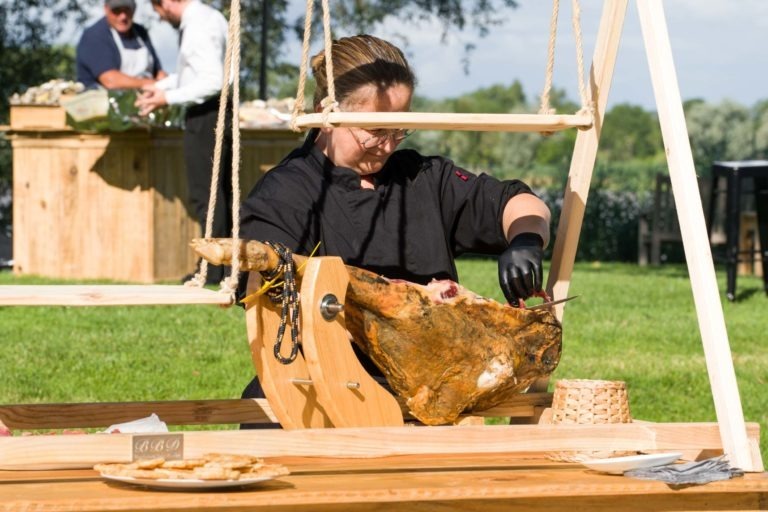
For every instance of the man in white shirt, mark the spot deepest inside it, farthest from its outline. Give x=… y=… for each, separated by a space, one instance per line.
x=196 y=84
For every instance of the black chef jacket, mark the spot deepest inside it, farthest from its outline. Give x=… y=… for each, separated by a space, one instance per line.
x=423 y=213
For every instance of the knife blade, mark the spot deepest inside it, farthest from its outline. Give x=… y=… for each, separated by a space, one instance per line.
x=552 y=302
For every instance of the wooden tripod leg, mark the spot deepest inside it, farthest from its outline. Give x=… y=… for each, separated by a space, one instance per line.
x=347 y=392
x=706 y=296
x=293 y=400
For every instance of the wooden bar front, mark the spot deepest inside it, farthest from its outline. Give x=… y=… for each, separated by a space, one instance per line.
x=468 y=482
x=114 y=206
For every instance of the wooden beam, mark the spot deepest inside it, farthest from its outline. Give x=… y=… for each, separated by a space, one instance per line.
x=83 y=451
x=190 y=412
x=103 y=414
x=109 y=295
x=449 y=121
x=698 y=255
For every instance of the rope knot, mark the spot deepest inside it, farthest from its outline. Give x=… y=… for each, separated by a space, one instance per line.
x=546 y=111
x=329 y=105
x=587 y=109
x=198 y=281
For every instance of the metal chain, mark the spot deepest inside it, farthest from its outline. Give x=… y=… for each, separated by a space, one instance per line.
x=288 y=297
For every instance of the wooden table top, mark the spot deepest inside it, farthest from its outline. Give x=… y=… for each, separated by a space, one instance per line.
x=484 y=482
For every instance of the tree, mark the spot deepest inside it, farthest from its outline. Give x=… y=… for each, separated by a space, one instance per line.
x=499 y=153
x=348 y=16
x=726 y=131
x=629 y=132
x=28 y=32
x=761 y=130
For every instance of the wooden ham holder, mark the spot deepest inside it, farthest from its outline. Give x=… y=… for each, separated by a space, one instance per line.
x=326 y=386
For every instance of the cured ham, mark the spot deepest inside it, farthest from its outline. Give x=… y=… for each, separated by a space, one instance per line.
x=443 y=349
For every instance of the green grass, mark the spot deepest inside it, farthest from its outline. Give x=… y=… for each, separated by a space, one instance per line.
x=632 y=324
x=62 y=354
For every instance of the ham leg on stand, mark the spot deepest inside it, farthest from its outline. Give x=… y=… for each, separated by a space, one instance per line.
x=443 y=349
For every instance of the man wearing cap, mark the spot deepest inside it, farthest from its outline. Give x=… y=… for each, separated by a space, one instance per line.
x=115 y=52
x=197 y=84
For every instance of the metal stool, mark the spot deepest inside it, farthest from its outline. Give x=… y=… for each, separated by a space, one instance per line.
x=734 y=173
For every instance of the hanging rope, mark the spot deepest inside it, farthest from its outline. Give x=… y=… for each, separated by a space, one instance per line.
x=231 y=73
x=586 y=102
x=298 y=107
x=544 y=107
x=287 y=296
x=328 y=103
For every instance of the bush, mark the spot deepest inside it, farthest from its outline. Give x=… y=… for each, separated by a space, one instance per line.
x=609 y=231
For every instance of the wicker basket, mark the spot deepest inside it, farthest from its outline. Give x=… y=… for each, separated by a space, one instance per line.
x=589 y=402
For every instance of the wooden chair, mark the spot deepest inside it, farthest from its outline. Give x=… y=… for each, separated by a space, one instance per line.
x=658 y=225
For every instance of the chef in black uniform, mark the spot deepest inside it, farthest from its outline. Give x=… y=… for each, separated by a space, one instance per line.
x=397 y=213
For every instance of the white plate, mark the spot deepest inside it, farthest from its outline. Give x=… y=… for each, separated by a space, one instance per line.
x=618 y=465
x=180 y=483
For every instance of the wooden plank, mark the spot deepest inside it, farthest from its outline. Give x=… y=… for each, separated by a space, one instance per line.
x=192 y=412
x=38 y=116
x=109 y=295
x=701 y=269
x=518 y=405
x=476 y=483
x=103 y=414
x=82 y=451
x=449 y=121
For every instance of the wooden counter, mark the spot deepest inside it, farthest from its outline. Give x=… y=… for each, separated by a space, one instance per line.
x=470 y=482
x=113 y=206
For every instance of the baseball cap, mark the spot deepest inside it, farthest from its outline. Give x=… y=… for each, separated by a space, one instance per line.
x=116 y=4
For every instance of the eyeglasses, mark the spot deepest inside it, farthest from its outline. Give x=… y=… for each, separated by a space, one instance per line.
x=374 y=138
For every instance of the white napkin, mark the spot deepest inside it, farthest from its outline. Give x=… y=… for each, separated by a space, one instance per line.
x=141 y=426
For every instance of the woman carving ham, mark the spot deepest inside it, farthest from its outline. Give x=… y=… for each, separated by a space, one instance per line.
x=398 y=213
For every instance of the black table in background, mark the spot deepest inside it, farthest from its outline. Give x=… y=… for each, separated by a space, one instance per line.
x=734 y=173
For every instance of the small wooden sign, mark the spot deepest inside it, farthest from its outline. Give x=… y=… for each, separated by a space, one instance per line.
x=150 y=446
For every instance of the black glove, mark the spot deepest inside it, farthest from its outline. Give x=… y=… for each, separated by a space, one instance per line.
x=520 y=267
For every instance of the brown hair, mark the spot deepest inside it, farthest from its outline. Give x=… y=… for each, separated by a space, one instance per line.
x=358 y=61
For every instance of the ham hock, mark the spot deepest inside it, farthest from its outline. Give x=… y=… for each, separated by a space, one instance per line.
x=443 y=349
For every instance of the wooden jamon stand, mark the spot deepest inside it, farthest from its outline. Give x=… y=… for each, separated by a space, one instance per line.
x=369 y=461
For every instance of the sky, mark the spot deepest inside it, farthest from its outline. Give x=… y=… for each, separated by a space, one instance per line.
x=720 y=50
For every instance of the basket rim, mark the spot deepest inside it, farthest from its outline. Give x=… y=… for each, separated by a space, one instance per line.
x=591 y=383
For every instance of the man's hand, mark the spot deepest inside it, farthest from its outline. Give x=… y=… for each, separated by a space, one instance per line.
x=150 y=99
x=520 y=267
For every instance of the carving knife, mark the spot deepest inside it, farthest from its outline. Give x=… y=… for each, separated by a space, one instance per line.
x=552 y=303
